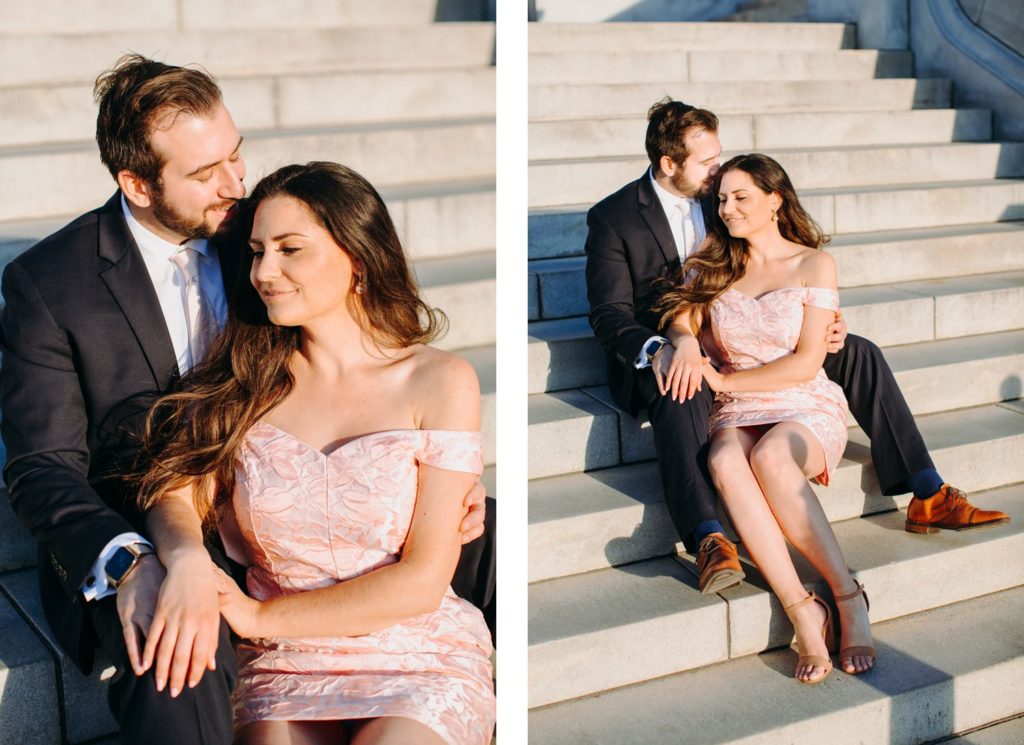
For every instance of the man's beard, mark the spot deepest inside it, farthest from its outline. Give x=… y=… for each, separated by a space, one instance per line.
x=686 y=188
x=173 y=220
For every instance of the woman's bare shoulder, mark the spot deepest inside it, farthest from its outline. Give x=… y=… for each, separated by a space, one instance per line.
x=817 y=268
x=447 y=387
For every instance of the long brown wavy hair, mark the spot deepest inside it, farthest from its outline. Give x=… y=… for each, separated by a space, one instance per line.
x=722 y=259
x=193 y=434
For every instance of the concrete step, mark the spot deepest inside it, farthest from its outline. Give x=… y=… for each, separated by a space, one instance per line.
x=928 y=310
x=484 y=362
x=562 y=231
x=557 y=287
x=82 y=700
x=582 y=429
x=568 y=101
x=101 y=16
x=923 y=688
x=723 y=65
x=79 y=58
x=464 y=288
x=650 y=37
x=582 y=522
x=66 y=113
x=558 y=182
x=28 y=684
x=772 y=11
x=903 y=574
x=1010 y=730
x=563 y=354
x=65 y=179
x=610 y=137
x=448 y=223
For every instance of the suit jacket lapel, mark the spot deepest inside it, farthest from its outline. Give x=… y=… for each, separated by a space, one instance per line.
x=654 y=216
x=128 y=281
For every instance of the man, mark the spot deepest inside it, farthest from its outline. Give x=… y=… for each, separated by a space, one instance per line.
x=643 y=232
x=102 y=317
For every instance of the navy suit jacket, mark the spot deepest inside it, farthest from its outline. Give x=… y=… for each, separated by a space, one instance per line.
x=86 y=350
x=629 y=246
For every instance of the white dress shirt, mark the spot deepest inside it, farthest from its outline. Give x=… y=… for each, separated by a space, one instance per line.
x=170 y=292
x=677 y=210
x=674 y=207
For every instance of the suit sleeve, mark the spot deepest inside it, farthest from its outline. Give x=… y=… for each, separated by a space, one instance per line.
x=610 y=292
x=44 y=429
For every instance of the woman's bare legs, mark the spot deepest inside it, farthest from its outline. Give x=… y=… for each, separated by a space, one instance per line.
x=394 y=731
x=269 y=732
x=782 y=461
x=728 y=461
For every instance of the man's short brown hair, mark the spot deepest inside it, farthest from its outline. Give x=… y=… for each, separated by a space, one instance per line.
x=668 y=124
x=133 y=96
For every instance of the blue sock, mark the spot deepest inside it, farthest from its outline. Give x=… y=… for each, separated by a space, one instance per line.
x=924 y=483
x=706 y=528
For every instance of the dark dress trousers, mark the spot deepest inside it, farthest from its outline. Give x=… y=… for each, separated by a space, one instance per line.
x=85 y=352
x=629 y=246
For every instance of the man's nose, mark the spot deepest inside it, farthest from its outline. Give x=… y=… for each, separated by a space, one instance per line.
x=231 y=182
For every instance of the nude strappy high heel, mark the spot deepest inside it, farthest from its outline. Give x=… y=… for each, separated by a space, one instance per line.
x=814 y=659
x=856 y=651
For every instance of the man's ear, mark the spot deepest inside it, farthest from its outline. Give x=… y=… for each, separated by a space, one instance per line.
x=667 y=166
x=135 y=189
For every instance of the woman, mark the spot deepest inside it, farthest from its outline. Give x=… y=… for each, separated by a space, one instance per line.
x=760 y=294
x=332 y=447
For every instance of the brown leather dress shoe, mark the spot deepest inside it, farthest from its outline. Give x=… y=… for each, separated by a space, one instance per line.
x=718 y=564
x=948 y=508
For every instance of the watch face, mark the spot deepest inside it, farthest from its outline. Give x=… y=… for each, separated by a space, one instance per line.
x=119 y=564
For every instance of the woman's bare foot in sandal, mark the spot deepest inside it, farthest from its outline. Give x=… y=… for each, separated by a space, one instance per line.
x=857 y=655
x=808 y=620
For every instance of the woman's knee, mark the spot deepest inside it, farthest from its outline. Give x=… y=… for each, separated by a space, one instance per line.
x=724 y=458
x=772 y=458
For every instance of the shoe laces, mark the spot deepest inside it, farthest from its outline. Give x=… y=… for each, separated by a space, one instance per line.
x=954 y=498
x=710 y=542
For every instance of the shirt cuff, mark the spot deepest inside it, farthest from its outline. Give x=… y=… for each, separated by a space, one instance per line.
x=641 y=362
x=95 y=586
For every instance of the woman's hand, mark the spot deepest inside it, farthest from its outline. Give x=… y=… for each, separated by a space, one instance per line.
x=716 y=380
x=239 y=610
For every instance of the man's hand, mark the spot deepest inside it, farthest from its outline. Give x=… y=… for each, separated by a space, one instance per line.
x=472 y=525
x=835 y=335
x=677 y=370
x=181 y=642
x=136 y=604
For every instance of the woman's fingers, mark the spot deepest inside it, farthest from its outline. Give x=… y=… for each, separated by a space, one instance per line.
x=162 y=653
x=180 y=659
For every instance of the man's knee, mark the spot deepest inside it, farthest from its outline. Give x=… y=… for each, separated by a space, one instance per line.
x=861 y=349
x=201 y=714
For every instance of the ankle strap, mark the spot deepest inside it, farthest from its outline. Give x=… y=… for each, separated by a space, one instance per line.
x=810 y=596
x=849 y=595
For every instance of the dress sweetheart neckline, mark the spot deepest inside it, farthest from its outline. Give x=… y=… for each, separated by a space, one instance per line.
x=765 y=294
x=356 y=438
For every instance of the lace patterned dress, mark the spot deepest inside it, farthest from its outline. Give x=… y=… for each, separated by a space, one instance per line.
x=749 y=332
x=309 y=520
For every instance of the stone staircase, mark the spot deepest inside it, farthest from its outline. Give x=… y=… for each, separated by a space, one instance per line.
x=407 y=101
x=927 y=214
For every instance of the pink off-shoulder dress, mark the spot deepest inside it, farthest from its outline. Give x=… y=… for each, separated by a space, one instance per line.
x=309 y=520
x=748 y=332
